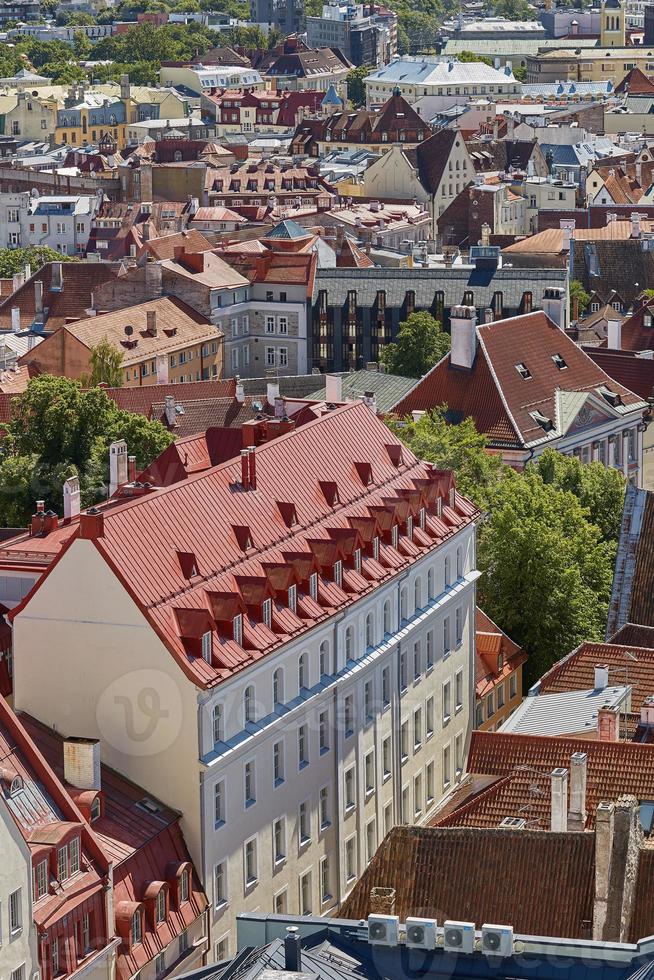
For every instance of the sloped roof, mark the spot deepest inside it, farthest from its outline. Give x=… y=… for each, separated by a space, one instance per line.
x=164 y=247
x=635 y=82
x=480 y=876
x=387 y=388
x=627 y=665
x=80 y=279
x=499 y=399
x=430 y=157
x=288 y=231
x=632 y=596
x=490 y=641
x=140 y=400
x=564 y=712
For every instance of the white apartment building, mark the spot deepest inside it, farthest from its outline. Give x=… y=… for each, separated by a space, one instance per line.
x=61 y=222
x=18 y=950
x=282 y=649
x=198 y=78
x=418 y=76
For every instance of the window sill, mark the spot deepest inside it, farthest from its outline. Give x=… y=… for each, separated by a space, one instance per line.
x=459 y=707
x=249 y=803
x=349 y=733
x=417 y=747
x=303 y=765
x=404 y=759
x=278 y=782
x=386 y=777
x=324 y=827
x=350 y=808
x=429 y=668
x=324 y=750
x=370 y=790
x=218 y=824
x=221 y=906
x=446 y=720
x=429 y=735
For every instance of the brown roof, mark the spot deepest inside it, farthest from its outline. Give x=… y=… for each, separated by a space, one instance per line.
x=547 y=242
x=635 y=336
x=207 y=269
x=622 y=189
x=80 y=280
x=635 y=82
x=490 y=643
x=483 y=876
x=627 y=665
x=140 y=400
x=495 y=394
x=164 y=247
x=614 y=768
x=631 y=634
x=642 y=918
x=350 y=256
x=430 y=157
x=641 y=607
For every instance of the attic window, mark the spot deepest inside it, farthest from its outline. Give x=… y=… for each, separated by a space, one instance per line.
x=523 y=371
x=559 y=361
x=313 y=586
x=612 y=397
x=187 y=563
x=292 y=598
x=338 y=572
x=267 y=612
x=357 y=559
x=329 y=492
x=237 y=628
x=243 y=536
x=543 y=421
x=375 y=548
x=16 y=785
x=365 y=473
x=206 y=646
x=96 y=809
x=150 y=806
x=394 y=451
x=288 y=513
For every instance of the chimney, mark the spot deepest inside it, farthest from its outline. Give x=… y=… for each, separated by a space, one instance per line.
x=280 y=408
x=647 y=711
x=554 y=305
x=194 y=205
x=618 y=844
x=603 y=848
x=82 y=763
x=28 y=272
x=151 y=322
x=488 y=315
x=601 y=677
x=245 y=469
x=607 y=724
x=57 y=278
x=125 y=88
x=15 y=319
x=117 y=465
x=240 y=391
x=71 y=498
x=292 y=950
x=559 y=795
x=131 y=469
x=17 y=281
x=567 y=227
x=463 y=329
x=614 y=334
x=370 y=399
x=38 y=518
x=272 y=392
x=382 y=900
x=38 y=300
x=132 y=251
x=253 y=468
x=485 y=233
x=333 y=388
x=635 y=224
x=91 y=524
x=577 y=811
x=169 y=411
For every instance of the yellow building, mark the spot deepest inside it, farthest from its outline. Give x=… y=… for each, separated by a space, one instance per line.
x=612 y=24
x=590 y=64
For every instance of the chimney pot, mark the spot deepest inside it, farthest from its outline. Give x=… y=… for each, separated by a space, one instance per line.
x=292 y=950
x=131 y=469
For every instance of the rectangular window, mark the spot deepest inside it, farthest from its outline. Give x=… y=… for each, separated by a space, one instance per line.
x=350 y=789
x=447 y=706
x=405 y=805
x=429 y=716
x=206 y=646
x=325 y=888
x=388 y=818
x=62 y=863
x=86 y=933
x=278 y=763
x=281 y=902
x=417 y=795
x=40 y=879
x=279 y=840
x=304 y=823
x=250 y=787
x=417 y=660
x=270 y=324
x=350 y=859
x=305 y=893
x=323 y=731
x=404 y=740
x=513 y=685
x=370 y=841
x=218 y=732
x=500 y=695
x=386 y=686
x=369 y=768
x=324 y=808
x=403 y=671
x=417 y=729
x=386 y=756
x=367 y=701
x=220 y=884
x=74 y=856
x=429 y=779
x=183 y=942
x=159 y=964
x=219 y=803
x=348 y=715
x=160 y=907
x=446 y=636
x=430 y=649
x=458 y=681
x=15 y=911
x=447 y=776
x=302 y=747
x=222 y=949
x=458 y=754
x=250 y=860
x=55 y=957
x=490 y=706
x=270 y=356
x=458 y=626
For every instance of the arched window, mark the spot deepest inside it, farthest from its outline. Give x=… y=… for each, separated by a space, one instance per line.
x=248 y=705
x=177 y=156
x=302 y=678
x=324 y=658
x=370 y=635
x=387 y=617
x=349 y=643
x=447 y=570
x=278 y=687
x=417 y=594
x=404 y=604
x=430 y=584
x=218 y=724
x=96 y=809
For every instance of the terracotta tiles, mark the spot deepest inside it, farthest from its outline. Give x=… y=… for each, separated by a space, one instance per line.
x=485 y=876
x=627 y=665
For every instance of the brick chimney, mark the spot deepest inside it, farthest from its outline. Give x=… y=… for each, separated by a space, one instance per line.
x=82 y=763
x=382 y=900
x=91 y=525
x=607 y=724
x=38 y=518
x=151 y=321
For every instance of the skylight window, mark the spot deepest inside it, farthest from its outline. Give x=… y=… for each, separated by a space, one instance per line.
x=559 y=361
x=523 y=371
x=543 y=421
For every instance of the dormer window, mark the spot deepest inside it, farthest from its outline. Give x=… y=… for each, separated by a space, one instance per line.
x=183 y=887
x=237 y=629
x=160 y=907
x=313 y=586
x=292 y=598
x=74 y=856
x=395 y=535
x=546 y=424
x=409 y=528
x=422 y=518
x=206 y=646
x=136 y=928
x=559 y=361
x=523 y=371
x=357 y=559
x=500 y=662
x=267 y=612
x=375 y=548
x=40 y=879
x=338 y=572
x=96 y=809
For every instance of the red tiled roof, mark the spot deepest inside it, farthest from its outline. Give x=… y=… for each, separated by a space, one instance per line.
x=614 y=768
x=80 y=280
x=164 y=247
x=483 y=876
x=494 y=393
x=490 y=641
x=627 y=665
x=140 y=400
x=202 y=515
x=635 y=82
x=635 y=373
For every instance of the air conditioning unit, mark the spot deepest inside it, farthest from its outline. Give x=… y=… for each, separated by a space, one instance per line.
x=383 y=930
x=421 y=933
x=459 y=937
x=497 y=940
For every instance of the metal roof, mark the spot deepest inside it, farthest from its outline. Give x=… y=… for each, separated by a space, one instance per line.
x=567 y=713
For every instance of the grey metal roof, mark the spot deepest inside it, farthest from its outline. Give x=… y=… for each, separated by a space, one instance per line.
x=565 y=713
x=389 y=389
x=483 y=283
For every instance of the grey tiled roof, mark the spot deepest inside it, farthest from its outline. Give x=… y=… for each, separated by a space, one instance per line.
x=483 y=283
x=290 y=386
x=388 y=388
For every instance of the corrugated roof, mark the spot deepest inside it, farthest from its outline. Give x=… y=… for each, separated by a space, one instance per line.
x=565 y=713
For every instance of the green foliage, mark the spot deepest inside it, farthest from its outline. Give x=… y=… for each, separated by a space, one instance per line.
x=452 y=447
x=60 y=430
x=81 y=46
x=14 y=260
x=106 y=366
x=520 y=73
x=420 y=344
x=145 y=42
x=546 y=570
x=246 y=37
x=421 y=31
x=513 y=9
x=467 y=56
x=598 y=488
x=578 y=293
x=356 y=90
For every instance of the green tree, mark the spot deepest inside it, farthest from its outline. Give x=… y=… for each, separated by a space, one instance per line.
x=63 y=72
x=520 y=73
x=469 y=56
x=452 y=447
x=14 y=260
x=599 y=489
x=421 y=29
x=513 y=9
x=106 y=366
x=420 y=344
x=81 y=46
x=356 y=90
x=546 y=571
x=578 y=294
